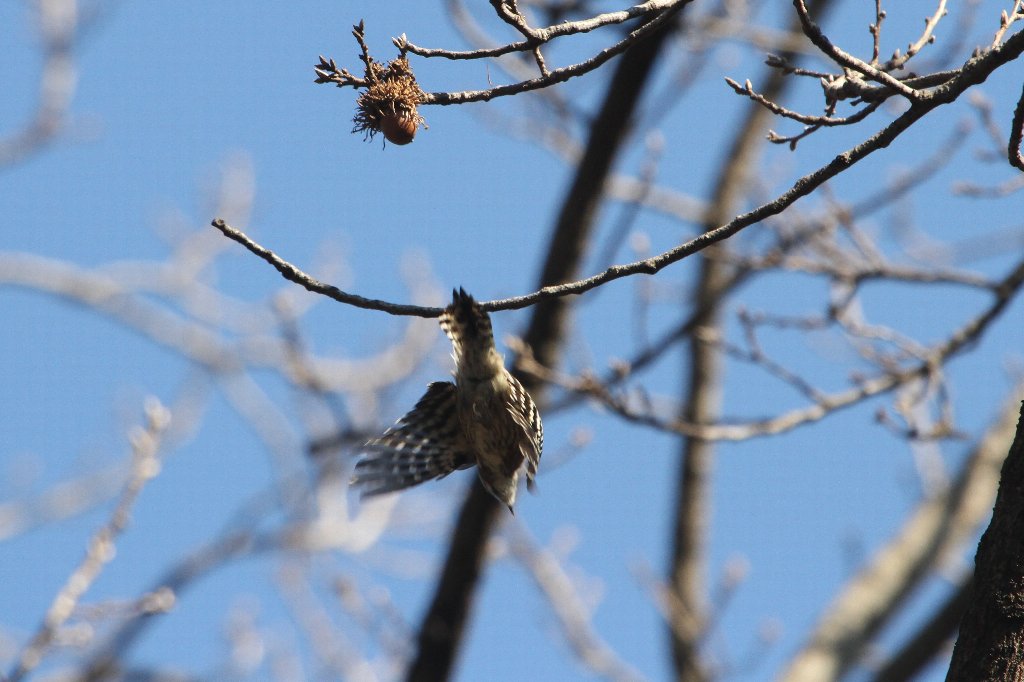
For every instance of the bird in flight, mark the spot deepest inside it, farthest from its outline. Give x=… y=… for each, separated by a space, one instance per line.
x=483 y=418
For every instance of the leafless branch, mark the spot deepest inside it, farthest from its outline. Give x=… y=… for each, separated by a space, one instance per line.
x=657 y=13
x=930 y=640
x=1004 y=292
x=59 y=24
x=114 y=292
x=560 y=75
x=539 y=36
x=63 y=500
x=847 y=60
x=144 y=466
x=573 y=615
x=1007 y=19
x=818 y=121
x=974 y=71
x=898 y=61
x=940 y=525
x=294 y=274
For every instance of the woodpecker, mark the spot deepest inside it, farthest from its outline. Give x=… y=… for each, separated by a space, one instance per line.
x=484 y=418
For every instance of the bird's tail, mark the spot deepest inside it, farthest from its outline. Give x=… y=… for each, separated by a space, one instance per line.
x=466 y=325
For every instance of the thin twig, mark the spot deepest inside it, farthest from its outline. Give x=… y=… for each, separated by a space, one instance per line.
x=927 y=37
x=563 y=74
x=821 y=41
x=747 y=89
x=544 y=35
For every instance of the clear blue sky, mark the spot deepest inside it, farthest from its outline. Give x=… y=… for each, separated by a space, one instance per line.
x=169 y=94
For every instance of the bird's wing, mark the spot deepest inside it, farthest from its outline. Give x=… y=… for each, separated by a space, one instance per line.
x=425 y=444
x=527 y=417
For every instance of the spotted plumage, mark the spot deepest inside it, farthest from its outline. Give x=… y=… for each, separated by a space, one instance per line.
x=485 y=418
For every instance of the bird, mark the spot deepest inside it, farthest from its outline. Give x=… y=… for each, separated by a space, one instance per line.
x=484 y=418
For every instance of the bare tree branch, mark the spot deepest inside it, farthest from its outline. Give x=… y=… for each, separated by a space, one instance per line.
x=661 y=14
x=847 y=60
x=930 y=640
x=573 y=616
x=144 y=466
x=974 y=71
x=939 y=526
x=59 y=25
x=539 y=36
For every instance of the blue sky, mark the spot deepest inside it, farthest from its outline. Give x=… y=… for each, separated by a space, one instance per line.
x=170 y=96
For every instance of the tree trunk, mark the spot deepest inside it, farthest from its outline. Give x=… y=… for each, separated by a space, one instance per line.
x=991 y=641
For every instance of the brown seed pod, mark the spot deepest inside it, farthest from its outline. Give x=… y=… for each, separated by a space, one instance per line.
x=398 y=128
x=389 y=103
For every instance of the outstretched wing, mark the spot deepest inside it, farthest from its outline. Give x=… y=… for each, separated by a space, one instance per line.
x=423 y=445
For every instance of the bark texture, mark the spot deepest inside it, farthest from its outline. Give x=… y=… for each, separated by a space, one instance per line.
x=990 y=645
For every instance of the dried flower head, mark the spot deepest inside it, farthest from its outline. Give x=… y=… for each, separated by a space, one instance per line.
x=388 y=104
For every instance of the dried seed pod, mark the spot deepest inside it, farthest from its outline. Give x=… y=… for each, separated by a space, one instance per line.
x=398 y=128
x=388 y=105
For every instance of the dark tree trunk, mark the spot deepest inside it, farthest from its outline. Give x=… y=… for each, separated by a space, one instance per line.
x=990 y=646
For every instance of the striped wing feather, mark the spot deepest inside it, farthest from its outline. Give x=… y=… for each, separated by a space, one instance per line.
x=527 y=417
x=425 y=444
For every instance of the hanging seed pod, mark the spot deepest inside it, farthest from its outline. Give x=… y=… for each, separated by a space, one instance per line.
x=388 y=105
x=398 y=128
